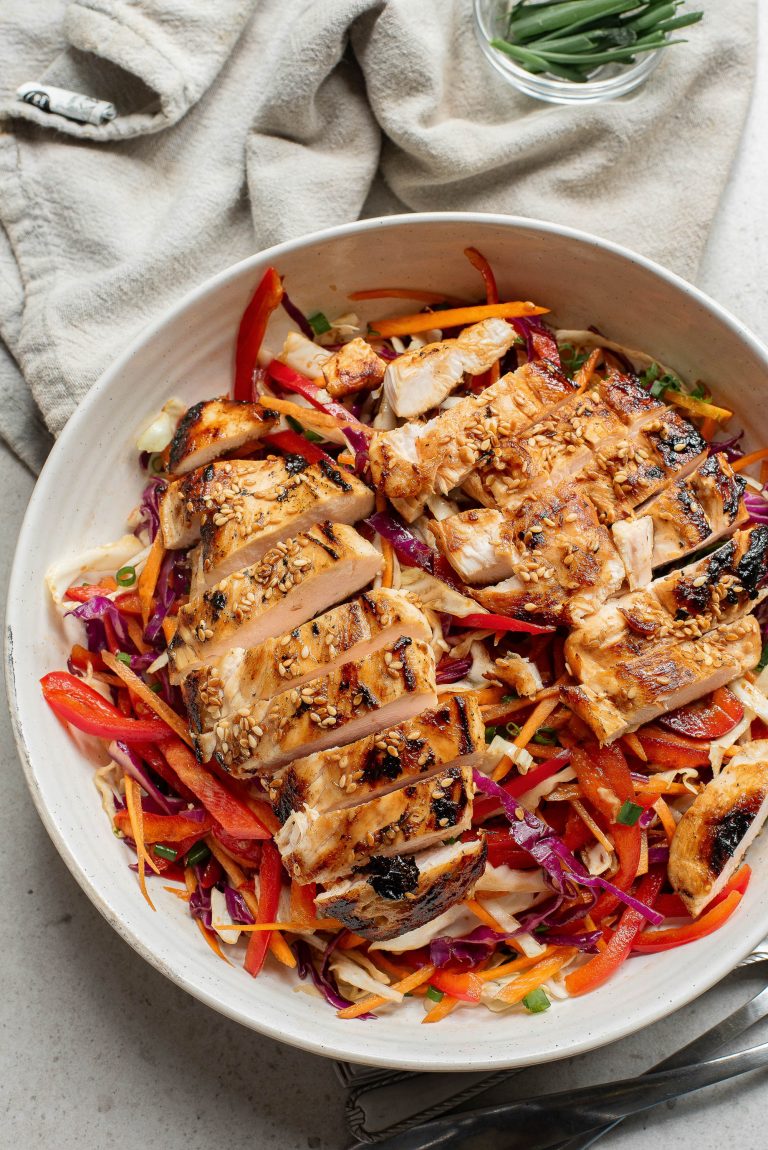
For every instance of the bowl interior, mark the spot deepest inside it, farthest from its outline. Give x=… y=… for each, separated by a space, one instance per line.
x=92 y=480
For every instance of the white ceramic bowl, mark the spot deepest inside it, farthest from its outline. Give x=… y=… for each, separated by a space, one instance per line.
x=92 y=479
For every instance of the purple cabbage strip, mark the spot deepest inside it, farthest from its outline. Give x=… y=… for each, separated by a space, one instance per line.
x=658 y=855
x=452 y=670
x=358 y=441
x=236 y=906
x=200 y=906
x=321 y=978
x=387 y=353
x=465 y=953
x=646 y=818
x=149 y=511
x=526 y=326
x=586 y=941
x=756 y=505
x=91 y=614
x=411 y=550
x=127 y=758
x=171 y=582
x=565 y=873
x=730 y=448
x=297 y=315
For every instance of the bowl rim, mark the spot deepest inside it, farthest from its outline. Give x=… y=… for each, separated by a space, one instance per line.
x=306 y=1040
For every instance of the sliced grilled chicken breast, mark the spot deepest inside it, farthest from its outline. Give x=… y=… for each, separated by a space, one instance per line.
x=451 y=734
x=519 y=673
x=716 y=830
x=401 y=893
x=349 y=632
x=416 y=460
x=722 y=585
x=422 y=377
x=633 y=539
x=358 y=699
x=696 y=511
x=318 y=847
x=295 y=580
x=354 y=367
x=617 y=699
x=213 y=428
x=562 y=561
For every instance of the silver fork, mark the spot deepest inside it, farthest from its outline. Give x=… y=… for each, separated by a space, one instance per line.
x=588 y=1112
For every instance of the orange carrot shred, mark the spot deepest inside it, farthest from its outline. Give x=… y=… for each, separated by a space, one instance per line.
x=453 y=317
x=516 y=990
x=748 y=460
x=441 y=1009
x=485 y=916
x=148 y=579
x=169 y=628
x=588 y=821
x=634 y=745
x=153 y=701
x=537 y=717
x=212 y=941
x=583 y=376
x=133 y=803
x=374 y=1001
x=387 y=549
x=665 y=818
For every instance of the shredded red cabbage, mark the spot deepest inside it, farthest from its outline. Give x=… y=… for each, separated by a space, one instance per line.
x=92 y=613
x=172 y=582
x=200 y=906
x=730 y=448
x=585 y=941
x=563 y=870
x=756 y=505
x=358 y=441
x=540 y=342
x=658 y=855
x=237 y=906
x=465 y=953
x=297 y=315
x=149 y=511
x=322 y=978
x=452 y=670
x=127 y=758
x=646 y=818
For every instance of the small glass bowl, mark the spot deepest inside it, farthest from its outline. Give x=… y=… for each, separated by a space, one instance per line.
x=606 y=83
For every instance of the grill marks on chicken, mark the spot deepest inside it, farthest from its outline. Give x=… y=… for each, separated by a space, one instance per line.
x=381 y=690
x=295 y=580
x=451 y=734
x=318 y=847
x=213 y=428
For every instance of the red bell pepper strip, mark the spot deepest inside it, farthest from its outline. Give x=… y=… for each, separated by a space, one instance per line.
x=485 y=806
x=502 y=851
x=600 y=968
x=165 y=828
x=609 y=765
x=234 y=816
x=153 y=757
x=292 y=380
x=670 y=750
x=250 y=335
x=292 y=443
x=707 y=718
x=78 y=704
x=128 y=603
x=81 y=657
x=488 y=622
x=653 y=941
x=458 y=984
x=269 y=896
x=672 y=906
x=211 y=873
x=86 y=591
x=246 y=851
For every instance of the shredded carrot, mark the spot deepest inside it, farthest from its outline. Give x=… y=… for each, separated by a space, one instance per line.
x=169 y=628
x=133 y=803
x=764 y=472
x=488 y=696
x=387 y=550
x=589 y=923
x=296 y=411
x=536 y=719
x=454 y=317
x=587 y=819
x=302 y=901
x=665 y=818
x=295 y=925
x=182 y=894
x=385 y=963
x=136 y=635
x=405 y=293
x=583 y=376
x=280 y=950
x=148 y=579
x=441 y=1009
x=349 y=940
x=662 y=787
x=212 y=941
x=277 y=945
x=698 y=406
x=485 y=916
x=345 y=458
x=497 y=713
x=516 y=990
x=708 y=428
x=374 y=1001
x=633 y=744
x=748 y=460
x=516 y=965
x=153 y=701
x=264 y=814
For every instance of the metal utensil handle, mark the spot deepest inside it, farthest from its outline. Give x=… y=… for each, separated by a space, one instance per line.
x=538 y=1123
x=704 y=1046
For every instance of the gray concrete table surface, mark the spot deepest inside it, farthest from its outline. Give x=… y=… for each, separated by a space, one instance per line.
x=97 y=1049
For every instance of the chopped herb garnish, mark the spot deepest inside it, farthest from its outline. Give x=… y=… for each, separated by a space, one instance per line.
x=433 y=994
x=123 y=657
x=572 y=359
x=763 y=658
x=629 y=813
x=537 y=1001
x=319 y=323
x=126 y=576
x=165 y=852
x=546 y=737
x=490 y=734
x=197 y=854
x=657 y=382
x=509 y=698
x=155 y=687
x=298 y=427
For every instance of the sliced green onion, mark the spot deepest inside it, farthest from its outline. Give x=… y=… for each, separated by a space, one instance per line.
x=155 y=687
x=300 y=429
x=433 y=994
x=319 y=323
x=123 y=657
x=537 y=1001
x=512 y=730
x=490 y=734
x=165 y=852
x=197 y=854
x=763 y=658
x=126 y=576
x=629 y=813
x=509 y=698
x=546 y=737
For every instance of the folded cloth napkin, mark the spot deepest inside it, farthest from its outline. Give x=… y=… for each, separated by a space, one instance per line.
x=245 y=122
